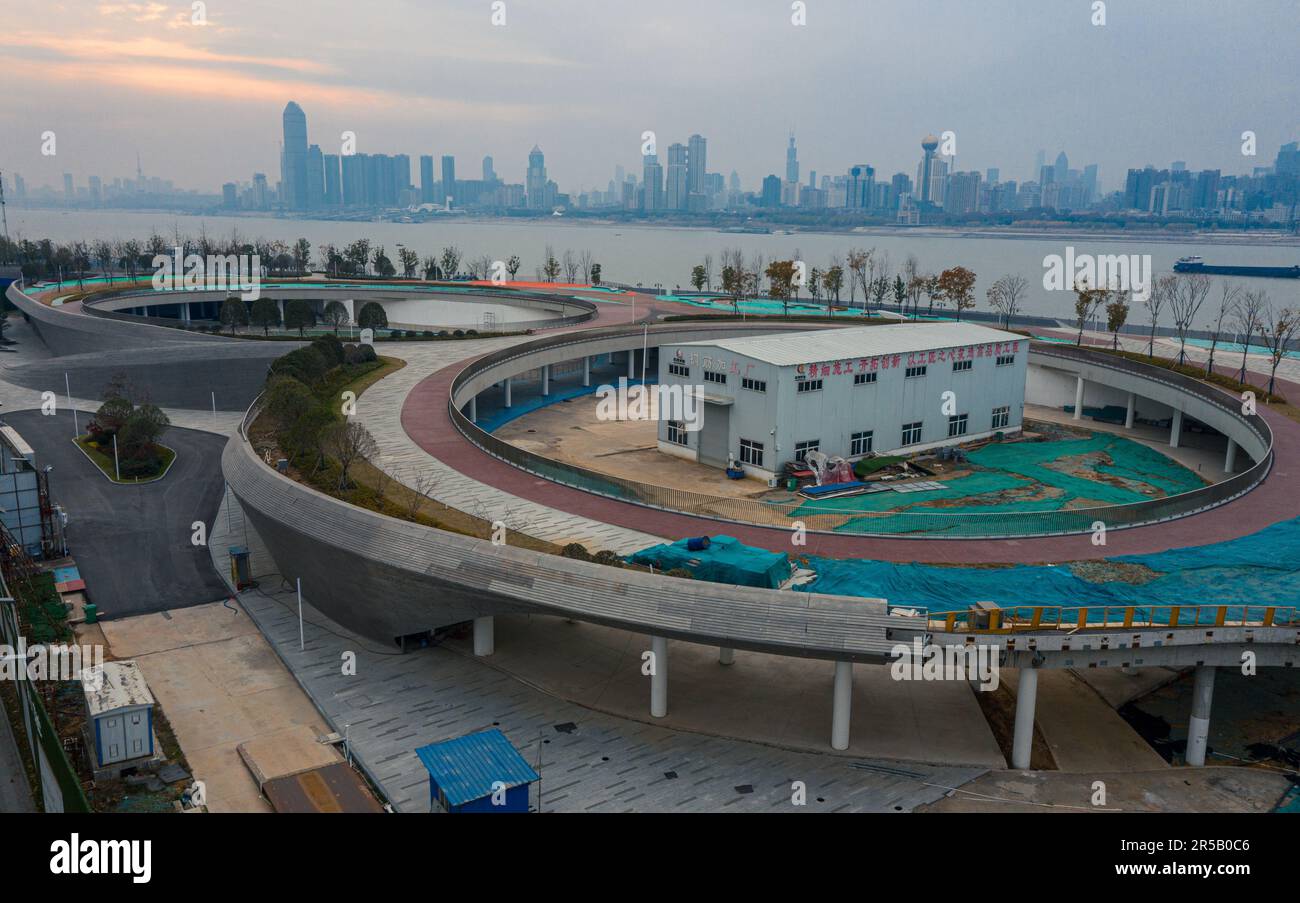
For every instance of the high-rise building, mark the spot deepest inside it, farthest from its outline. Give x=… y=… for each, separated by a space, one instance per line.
x=1062 y=169
x=927 y=170
x=536 y=180
x=333 y=185
x=96 y=189
x=229 y=199
x=652 y=177
x=677 y=183
x=1288 y=160
x=448 y=179
x=489 y=174
x=963 y=193
x=696 y=159
x=355 y=192
x=992 y=175
x=69 y=193
x=771 y=196
x=1040 y=160
x=791 y=161
x=859 y=187
x=261 y=191
x=315 y=178
x=733 y=181
x=293 y=158
x=426 y=179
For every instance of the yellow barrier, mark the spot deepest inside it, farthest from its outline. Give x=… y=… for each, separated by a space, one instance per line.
x=1057 y=617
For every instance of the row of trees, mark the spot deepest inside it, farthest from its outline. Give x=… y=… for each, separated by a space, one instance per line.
x=299 y=314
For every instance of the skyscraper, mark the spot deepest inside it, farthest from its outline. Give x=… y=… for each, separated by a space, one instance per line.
x=535 y=183
x=489 y=174
x=677 y=183
x=1062 y=168
x=333 y=186
x=771 y=192
x=859 y=187
x=925 y=174
x=315 y=178
x=791 y=161
x=448 y=178
x=293 y=157
x=652 y=177
x=426 y=179
x=696 y=154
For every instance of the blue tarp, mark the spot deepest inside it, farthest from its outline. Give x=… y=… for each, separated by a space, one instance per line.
x=726 y=560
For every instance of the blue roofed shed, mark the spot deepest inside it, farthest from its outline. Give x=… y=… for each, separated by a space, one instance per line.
x=465 y=772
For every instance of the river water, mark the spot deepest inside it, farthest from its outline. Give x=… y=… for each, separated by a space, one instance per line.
x=649 y=255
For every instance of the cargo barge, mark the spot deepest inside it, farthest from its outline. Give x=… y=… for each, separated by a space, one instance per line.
x=1198 y=265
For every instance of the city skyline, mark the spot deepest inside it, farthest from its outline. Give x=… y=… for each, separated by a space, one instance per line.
x=499 y=90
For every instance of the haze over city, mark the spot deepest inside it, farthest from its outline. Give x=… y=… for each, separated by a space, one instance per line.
x=201 y=104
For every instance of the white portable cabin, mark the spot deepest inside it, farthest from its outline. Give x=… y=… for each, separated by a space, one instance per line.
x=120 y=707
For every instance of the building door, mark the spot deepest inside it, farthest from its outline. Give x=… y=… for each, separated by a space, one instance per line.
x=715 y=435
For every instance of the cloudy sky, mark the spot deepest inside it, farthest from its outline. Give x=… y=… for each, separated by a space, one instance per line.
x=862 y=81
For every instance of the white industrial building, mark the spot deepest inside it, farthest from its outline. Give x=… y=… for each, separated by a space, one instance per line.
x=849 y=392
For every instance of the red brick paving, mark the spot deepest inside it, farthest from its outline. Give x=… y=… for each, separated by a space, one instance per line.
x=426 y=421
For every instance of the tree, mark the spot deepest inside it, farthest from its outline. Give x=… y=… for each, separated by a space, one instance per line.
x=780 y=275
x=409 y=260
x=348 y=442
x=900 y=292
x=1117 y=316
x=733 y=283
x=379 y=260
x=105 y=258
x=1087 y=301
x=298 y=315
x=570 y=267
x=301 y=256
x=335 y=315
x=513 y=265
x=958 y=286
x=431 y=270
x=372 y=316
x=141 y=432
x=1154 y=302
x=112 y=415
x=697 y=277
x=286 y=400
x=857 y=260
x=1189 y=293
x=1005 y=295
x=451 y=256
x=234 y=313
x=595 y=274
x=1246 y=320
x=552 y=266
x=265 y=313
x=833 y=280
x=358 y=255
x=815 y=287
x=1279 y=327
x=1227 y=304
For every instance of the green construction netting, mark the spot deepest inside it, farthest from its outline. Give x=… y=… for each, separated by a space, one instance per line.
x=726 y=560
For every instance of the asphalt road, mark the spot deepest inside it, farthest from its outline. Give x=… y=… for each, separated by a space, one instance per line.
x=132 y=543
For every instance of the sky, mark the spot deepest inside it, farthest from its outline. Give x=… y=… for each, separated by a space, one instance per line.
x=860 y=82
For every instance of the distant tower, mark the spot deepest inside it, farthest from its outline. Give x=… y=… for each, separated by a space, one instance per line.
x=696 y=161
x=792 y=162
x=1062 y=168
x=293 y=159
x=929 y=144
x=536 y=181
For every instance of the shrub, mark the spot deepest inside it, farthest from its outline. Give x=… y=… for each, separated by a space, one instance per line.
x=607 y=557
x=428 y=333
x=471 y=332
x=286 y=400
x=576 y=550
x=330 y=348
x=372 y=316
x=306 y=365
x=459 y=333
x=410 y=333
x=680 y=572
x=366 y=354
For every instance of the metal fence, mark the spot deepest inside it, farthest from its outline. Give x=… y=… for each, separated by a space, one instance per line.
x=913 y=524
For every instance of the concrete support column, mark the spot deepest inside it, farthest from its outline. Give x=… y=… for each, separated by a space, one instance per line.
x=473 y=409
x=1176 y=430
x=726 y=655
x=1230 y=461
x=659 y=679
x=841 y=705
x=1022 y=740
x=1078 y=398
x=1132 y=411
x=586 y=371
x=546 y=379
x=507 y=386
x=185 y=312
x=484 y=637
x=631 y=363
x=1198 y=726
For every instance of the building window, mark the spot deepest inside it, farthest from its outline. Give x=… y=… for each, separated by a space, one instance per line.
x=809 y=385
x=801 y=449
x=677 y=369
x=1006 y=360
x=864 y=379
x=914 y=372
x=712 y=376
x=860 y=444
x=756 y=385
x=677 y=432
x=751 y=452
x=1001 y=417
x=957 y=425
x=961 y=366
x=911 y=433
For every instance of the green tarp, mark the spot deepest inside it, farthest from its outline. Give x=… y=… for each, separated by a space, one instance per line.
x=726 y=560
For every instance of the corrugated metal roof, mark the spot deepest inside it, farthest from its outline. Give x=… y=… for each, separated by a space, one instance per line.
x=467 y=767
x=792 y=348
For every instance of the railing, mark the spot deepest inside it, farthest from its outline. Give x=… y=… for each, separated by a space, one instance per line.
x=912 y=524
x=1028 y=618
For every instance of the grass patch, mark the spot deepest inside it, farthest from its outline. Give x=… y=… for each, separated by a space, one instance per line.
x=104 y=461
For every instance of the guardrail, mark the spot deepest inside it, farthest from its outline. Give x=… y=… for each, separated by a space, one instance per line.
x=1024 y=618
x=912 y=524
